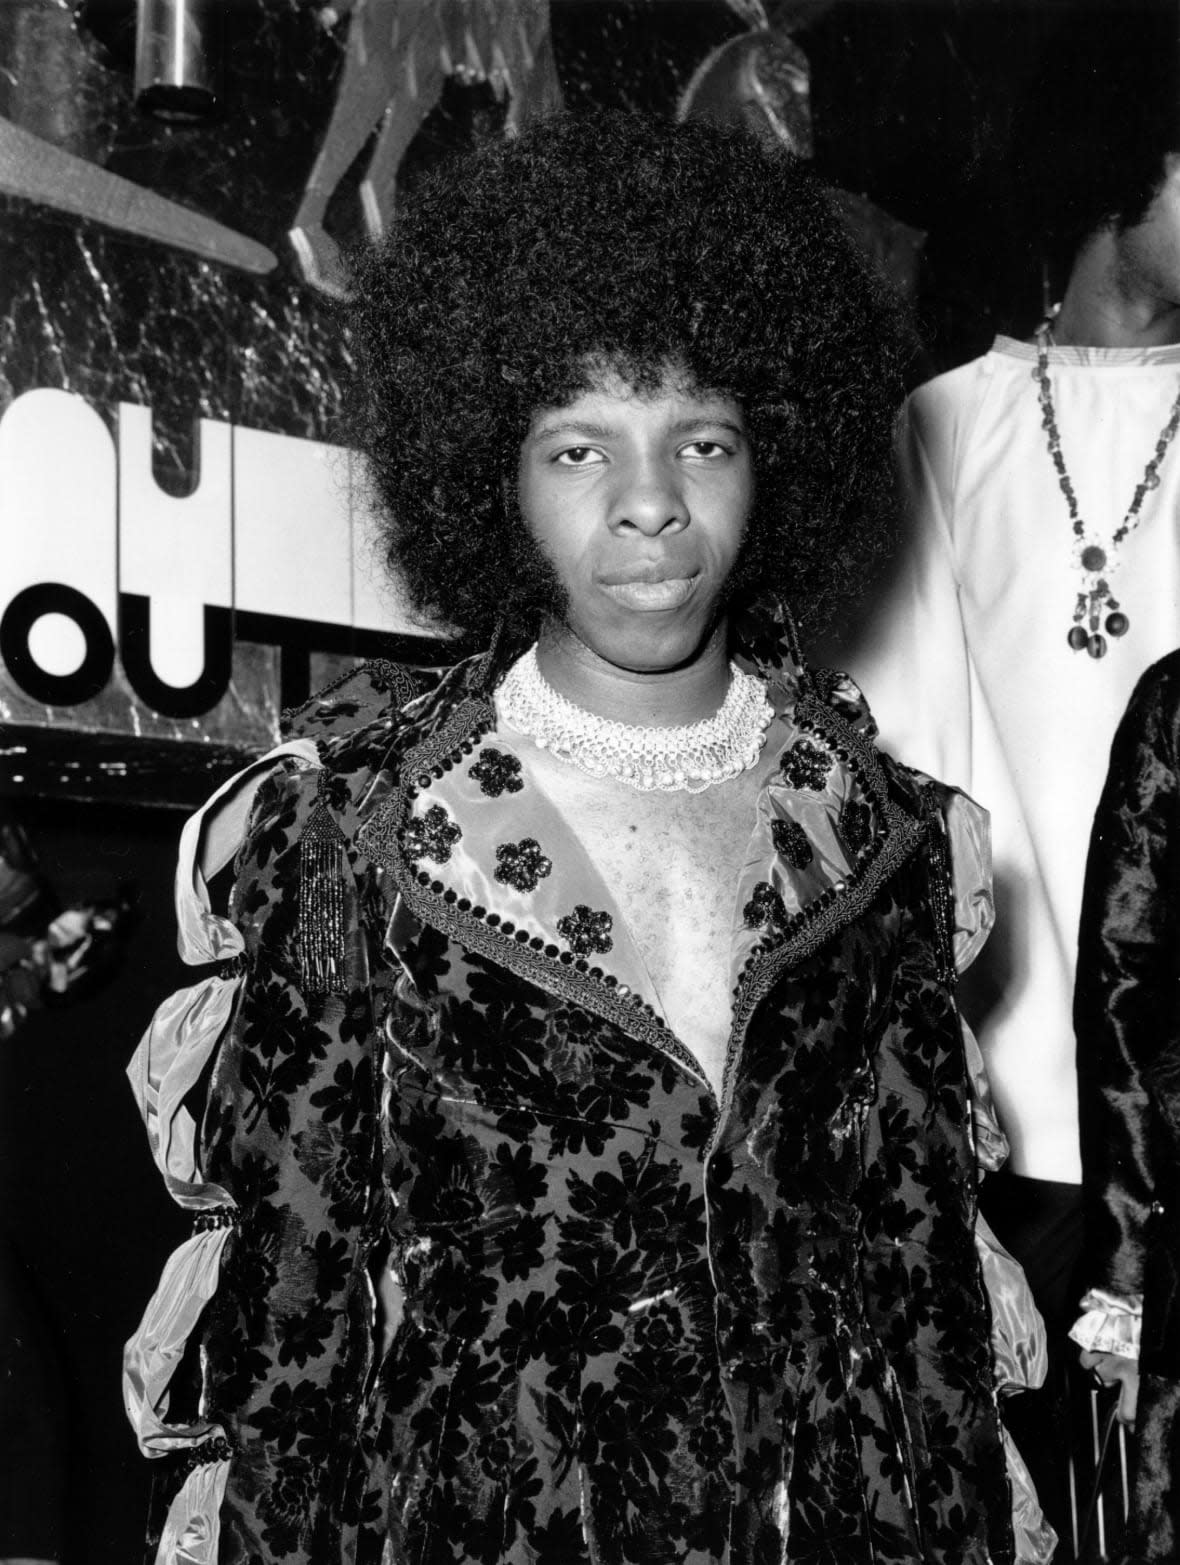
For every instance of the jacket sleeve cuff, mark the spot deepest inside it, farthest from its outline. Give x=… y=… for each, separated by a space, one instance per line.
x=1109 y=1323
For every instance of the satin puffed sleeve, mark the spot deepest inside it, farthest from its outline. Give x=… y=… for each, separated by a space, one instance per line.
x=1126 y=1020
x=257 y=1086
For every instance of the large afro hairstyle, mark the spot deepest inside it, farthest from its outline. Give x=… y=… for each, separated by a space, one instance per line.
x=1090 y=137
x=613 y=239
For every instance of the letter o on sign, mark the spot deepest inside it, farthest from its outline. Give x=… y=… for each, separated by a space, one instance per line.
x=92 y=675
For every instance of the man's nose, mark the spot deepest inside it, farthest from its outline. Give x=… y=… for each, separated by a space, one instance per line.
x=649 y=498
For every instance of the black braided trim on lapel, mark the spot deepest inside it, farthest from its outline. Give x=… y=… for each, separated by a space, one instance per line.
x=813 y=926
x=574 y=980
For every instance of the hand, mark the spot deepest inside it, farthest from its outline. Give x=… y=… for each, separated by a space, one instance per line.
x=1108 y=1368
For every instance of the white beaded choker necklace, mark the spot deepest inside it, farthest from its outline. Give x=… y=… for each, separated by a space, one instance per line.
x=690 y=758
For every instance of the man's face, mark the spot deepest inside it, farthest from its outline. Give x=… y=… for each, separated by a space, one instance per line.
x=640 y=502
x=1149 y=252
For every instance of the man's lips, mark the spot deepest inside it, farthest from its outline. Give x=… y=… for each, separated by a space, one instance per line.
x=650 y=584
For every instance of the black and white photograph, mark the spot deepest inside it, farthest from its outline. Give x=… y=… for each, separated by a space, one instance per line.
x=589 y=782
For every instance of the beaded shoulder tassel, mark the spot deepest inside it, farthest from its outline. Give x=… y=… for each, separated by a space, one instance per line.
x=942 y=887
x=324 y=892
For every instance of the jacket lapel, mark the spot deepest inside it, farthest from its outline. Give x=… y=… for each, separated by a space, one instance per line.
x=832 y=835
x=478 y=853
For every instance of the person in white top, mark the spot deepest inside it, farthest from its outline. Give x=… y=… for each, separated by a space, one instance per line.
x=971 y=668
x=1039 y=578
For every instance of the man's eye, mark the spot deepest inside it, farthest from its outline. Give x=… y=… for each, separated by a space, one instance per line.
x=578 y=456
x=708 y=450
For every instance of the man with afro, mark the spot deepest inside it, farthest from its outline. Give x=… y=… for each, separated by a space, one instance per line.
x=599 y=991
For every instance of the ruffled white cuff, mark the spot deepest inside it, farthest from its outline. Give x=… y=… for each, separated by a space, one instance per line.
x=1109 y=1323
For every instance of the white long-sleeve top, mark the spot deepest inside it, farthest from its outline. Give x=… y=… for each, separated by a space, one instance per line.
x=966 y=665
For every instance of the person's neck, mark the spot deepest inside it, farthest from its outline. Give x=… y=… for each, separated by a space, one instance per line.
x=1106 y=304
x=665 y=698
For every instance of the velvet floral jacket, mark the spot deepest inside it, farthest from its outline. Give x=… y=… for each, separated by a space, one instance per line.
x=1127 y=1020
x=640 y=1324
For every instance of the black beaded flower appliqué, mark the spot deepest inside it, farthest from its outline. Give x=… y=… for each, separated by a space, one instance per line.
x=765 y=909
x=497 y=773
x=431 y=836
x=791 y=841
x=585 y=931
x=806 y=765
x=856 y=825
x=522 y=865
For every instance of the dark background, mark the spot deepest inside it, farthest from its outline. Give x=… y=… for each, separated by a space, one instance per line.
x=913 y=102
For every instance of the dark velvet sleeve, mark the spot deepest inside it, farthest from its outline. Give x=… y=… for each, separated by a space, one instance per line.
x=1125 y=1004
x=290 y=1132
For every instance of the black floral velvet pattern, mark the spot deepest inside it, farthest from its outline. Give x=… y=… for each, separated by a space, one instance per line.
x=641 y=1326
x=856 y=825
x=497 y=773
x=792 y=842
x=585 y=930
x=806 y=765
x=522 y=864
x=432 y=835
x=765 y=909
x=1127 y=1020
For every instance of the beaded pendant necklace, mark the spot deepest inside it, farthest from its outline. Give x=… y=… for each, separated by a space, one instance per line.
x=689 y=758
x=1096 y=561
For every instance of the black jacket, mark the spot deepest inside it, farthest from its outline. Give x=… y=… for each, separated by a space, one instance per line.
x=1127 y=1019
x=641 y=1323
